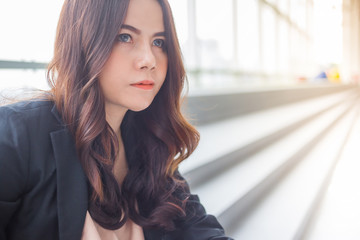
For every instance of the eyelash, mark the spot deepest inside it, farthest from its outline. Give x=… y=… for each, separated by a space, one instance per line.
x=160 y=43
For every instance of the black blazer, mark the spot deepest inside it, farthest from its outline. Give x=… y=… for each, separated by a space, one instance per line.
x=43 y=189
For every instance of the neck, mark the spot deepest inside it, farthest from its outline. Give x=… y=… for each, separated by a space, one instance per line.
x=114 y=117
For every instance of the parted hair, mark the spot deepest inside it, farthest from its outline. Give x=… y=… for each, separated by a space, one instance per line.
x=156 y=140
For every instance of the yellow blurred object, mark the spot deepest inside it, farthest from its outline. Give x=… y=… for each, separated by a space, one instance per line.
x=333 y=75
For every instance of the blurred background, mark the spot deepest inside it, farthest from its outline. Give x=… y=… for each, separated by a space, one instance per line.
x=265 y=43
x=273 y=90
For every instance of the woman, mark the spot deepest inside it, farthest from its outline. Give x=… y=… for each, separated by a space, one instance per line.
x=97 y=156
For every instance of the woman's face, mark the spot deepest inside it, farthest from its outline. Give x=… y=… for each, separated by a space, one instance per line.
x=137 y=66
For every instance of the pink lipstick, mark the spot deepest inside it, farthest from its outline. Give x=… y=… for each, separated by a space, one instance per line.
x=145 y=84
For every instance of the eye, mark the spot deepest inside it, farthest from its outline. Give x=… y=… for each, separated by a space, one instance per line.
x=159 y=43
x=124 y=37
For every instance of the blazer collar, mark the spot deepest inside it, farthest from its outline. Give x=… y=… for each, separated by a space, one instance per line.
x=72 y=188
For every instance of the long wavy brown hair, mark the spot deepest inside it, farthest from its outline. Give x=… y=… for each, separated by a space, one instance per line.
x=156 y=140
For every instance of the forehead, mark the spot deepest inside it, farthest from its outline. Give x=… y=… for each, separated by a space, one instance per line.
x=145 y=15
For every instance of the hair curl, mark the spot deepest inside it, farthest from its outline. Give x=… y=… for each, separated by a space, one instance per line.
x=156 y=139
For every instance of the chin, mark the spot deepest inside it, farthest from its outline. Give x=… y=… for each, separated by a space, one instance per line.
x=141 y=107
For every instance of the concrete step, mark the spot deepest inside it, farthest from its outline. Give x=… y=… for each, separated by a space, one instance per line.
x=338 y=216
x=226 y=143
x=247 y=179
x=283 y=212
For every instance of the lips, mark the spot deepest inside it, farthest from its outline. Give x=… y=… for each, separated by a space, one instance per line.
x=145 y=84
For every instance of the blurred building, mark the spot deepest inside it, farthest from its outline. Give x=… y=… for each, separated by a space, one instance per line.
x=351 y=36
x=267 y=42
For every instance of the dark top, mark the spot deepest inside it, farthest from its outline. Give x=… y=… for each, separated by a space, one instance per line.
x=43 y=189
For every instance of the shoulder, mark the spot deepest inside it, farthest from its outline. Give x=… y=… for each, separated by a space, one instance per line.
x=27 y=119
x=25 y=141
x=18 y=129
x=26 y=113
x=27 y=166
x=23 y=122
x=26 y=109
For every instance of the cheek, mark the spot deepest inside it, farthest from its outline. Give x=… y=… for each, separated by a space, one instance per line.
x=163 y=67
x=117 y=62
x=113 y=71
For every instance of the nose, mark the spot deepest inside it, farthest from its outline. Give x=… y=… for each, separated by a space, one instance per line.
x=146 y=58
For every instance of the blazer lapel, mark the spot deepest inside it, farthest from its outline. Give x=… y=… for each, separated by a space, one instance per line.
x=72 y=189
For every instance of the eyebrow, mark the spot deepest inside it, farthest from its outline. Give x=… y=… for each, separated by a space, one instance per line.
x=137 y=31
